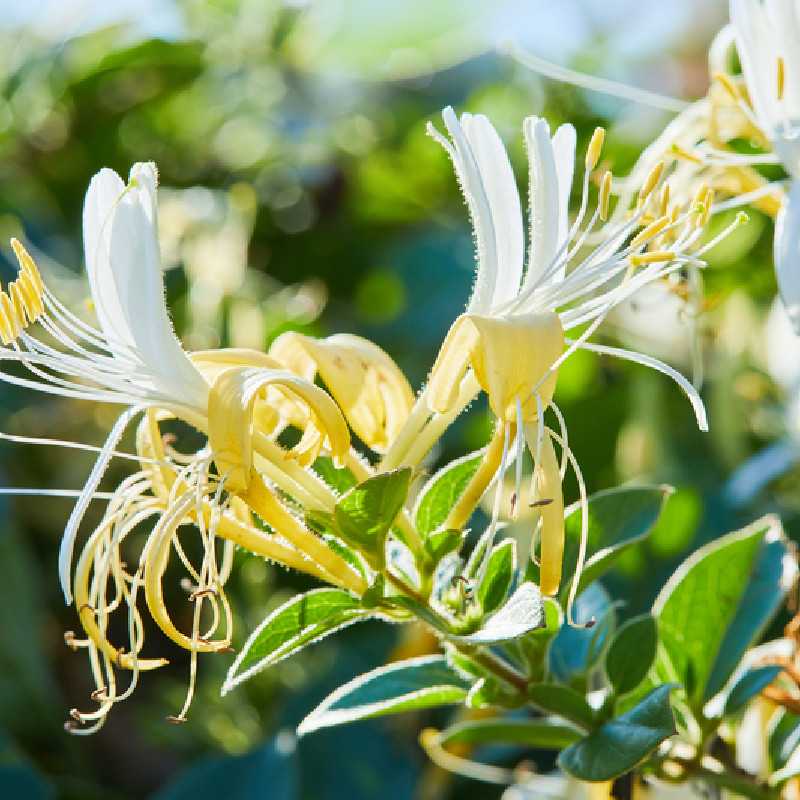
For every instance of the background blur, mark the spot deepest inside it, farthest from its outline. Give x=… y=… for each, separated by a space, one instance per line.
x=300 y=190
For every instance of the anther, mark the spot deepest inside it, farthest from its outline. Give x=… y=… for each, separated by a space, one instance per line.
x=199 y=593
x=653 y=257
x=686 y=155
x=781 y=77
x=99 y=694
x=70 y=726
x=728 y=85
x=595 y=148
x=664 y=207
x=651 y=181
x=652 y=230
x=70 y=640
x=605 y=195
x=76 y=715
x=227 y=649
x=175 y=720
x=539 y=503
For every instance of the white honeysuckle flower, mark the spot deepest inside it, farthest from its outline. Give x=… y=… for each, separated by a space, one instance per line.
x=511 y=340
x=767 y=35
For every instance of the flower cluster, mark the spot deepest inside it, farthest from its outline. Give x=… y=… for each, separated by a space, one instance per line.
x=313 y=451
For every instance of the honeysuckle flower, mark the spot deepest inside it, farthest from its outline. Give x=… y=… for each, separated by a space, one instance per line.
x=767 y=35
x=241 y=400
x=511 y=340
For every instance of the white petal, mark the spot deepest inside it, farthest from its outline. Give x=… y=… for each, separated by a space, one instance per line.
x=564 y=154
x=758 y=58
x=787 y=254
x=478 y=203
x=76 y=517
x=500 y=186
x=544 y=199
x=123 y=260
x=784 y=28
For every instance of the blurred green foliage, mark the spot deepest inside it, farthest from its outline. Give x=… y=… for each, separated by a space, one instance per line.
x=300 y=190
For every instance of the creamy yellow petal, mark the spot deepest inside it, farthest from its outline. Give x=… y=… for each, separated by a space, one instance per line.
x=369 y=387
x=230 y=419
x=511 y=357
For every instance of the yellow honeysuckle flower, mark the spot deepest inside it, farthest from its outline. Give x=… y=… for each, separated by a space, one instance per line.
x=368 y=386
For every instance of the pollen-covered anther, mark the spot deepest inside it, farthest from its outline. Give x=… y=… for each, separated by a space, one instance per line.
x=780 y=82
x=595 y=148
x=728 y=85
x=173 y=720
x=604 y=198
x=99 y=695
x=651 y=182
x=200 y=593
x=71 y=641
x=685 y=155
x=21 y=304
x=650 y=231
x=653 y=257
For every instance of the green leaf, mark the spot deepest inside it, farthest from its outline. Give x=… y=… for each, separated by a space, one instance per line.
x=339 y=478
x=748 y=686
x=490 y=692
x=784 y=739
x=620 y=744
x=304 y=619
x=716 y=605
x=442 y=491
x=440 y=543
x=631 y=653
x=365 y=514
x=496 y=581
x=405 y=686
x=543 y=733
x=555 y=698
x=618 y=519
x=522 y=613
x=574 y=651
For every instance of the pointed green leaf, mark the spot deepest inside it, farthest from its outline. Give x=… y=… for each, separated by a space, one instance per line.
x=339 y=478
x=405 y=686
x=631 y=653
x=442 y=491
x=440 y=543
x=496 y=581
x=522 y=613
x=748 y=686
x=716 y=605
x=365 y=514
x=784 y=739
x=555 y=698
x=618 y=519
x=303 y=619
x=621 y=744
x=544 y=733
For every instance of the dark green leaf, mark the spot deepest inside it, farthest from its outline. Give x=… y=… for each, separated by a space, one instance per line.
x=784 y=739
x=405 y=686
x=618 y=519
x=542 y=733
x=555 y=698
x=298 y=622
x=748 y=686
x=339 y=478
x=631 y=653
x=620 y=744
x=715 y=606
x=496 y=581
x=365 y=514
x=574 y=651
x=442 y=491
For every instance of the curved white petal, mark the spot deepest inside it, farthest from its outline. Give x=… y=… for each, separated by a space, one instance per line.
x=471 y=182
x=758 y=58
x=76 y=517
x=497 y=177
x=544 y=199
x=787 y=254
x=124 y=266
x=564 y=154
